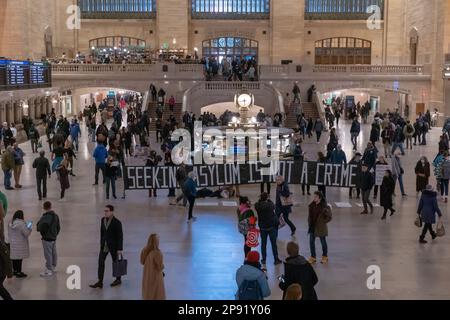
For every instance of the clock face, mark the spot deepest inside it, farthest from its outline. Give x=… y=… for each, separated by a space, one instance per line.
x=245 y=100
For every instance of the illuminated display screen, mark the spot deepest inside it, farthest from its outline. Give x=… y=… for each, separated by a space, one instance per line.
x=20 y=75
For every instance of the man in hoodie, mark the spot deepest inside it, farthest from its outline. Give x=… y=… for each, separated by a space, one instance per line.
x=100 y=155
x=268 y=224
x=298 y=270
x=49 y=227
x=250 y=276
x=338 y=156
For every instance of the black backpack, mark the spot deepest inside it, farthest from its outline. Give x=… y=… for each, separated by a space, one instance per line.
x=250 y=291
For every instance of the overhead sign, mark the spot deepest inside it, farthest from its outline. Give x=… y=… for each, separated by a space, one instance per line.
x=311 y=173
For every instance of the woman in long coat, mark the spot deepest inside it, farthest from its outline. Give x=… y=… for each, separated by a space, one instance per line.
x=386 y=191
x=423 y=173
x=153 y=279
x=18 y=238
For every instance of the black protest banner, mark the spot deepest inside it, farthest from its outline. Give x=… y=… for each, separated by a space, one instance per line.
x=311 y=173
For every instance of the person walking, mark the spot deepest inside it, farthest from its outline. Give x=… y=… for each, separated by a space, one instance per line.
x=296 y=92
x=49 y=227
x=427 y=210
x=251 y=279
x=268 y=224
x=33 y=134
x=297 y=270
x=445 y=177
x=111 y=169
x=318 y=128
x=423 y=172
x=318 y=218
x=19 y=231
x=8 y=165
x=42 y=166
x=354 y=132
x=386 y=191
x=386 y=137
x=63 y=174
x=100 y=155
x=75 y=133
x=246 y=220
x=181 y=177
x=190 y=188
x=408 y=132
x=111 y=242
x=153 y=277
x=366 y=185
x=398 y=171
x=283 y=204
x=3 y=212
x=5 y=270
x=380 y=162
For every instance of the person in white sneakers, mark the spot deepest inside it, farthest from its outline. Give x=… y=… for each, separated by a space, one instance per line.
x=49 y=227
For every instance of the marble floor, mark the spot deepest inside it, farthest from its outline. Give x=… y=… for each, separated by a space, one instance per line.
x=201 y=259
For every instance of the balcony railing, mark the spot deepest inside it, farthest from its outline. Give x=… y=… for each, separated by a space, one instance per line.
x=231 y=86
x=370 y=69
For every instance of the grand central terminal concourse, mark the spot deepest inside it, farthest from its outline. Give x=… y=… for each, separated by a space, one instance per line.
x=231 y=150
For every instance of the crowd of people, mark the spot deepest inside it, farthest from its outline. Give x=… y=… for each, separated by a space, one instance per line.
x=234 y=70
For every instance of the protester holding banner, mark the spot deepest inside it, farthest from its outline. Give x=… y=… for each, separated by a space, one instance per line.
x=246 y=220
x=283 y=204
x=386 y=191
x=423 y=173
x=370 y=156
x=356 y=160
x=322 y=159
x=383 y=164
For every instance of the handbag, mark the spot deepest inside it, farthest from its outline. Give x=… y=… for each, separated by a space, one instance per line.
x=418 y=222
x=120 y=267
x=440 y=230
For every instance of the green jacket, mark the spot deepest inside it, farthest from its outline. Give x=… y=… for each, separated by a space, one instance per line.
x=4 y=203
x=5 y=261
x=7 y=161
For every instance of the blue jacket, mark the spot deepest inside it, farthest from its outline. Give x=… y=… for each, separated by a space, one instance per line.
x=428 y=207
x=338 y=157
x=190 y=187
x=100 y=154
x=250 y=273
x=75 y=131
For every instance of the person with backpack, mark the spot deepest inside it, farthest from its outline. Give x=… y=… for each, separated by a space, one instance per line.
x=408 y=132
x=398 y=140
x=268 y=224
x=282 y=203
x=246 y=220
x=49 y=227
x=354 y=132
x=318 y=218
x=445 y=177
x=251 y=280
x=33 y=134
x=297 y=270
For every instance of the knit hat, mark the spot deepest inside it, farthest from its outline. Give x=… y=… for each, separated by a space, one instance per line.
x=253 y=256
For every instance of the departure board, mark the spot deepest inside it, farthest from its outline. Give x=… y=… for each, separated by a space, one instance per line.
x=2 y=74
x=20 y=75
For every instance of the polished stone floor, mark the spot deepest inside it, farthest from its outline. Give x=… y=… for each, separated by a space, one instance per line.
x=201 y=259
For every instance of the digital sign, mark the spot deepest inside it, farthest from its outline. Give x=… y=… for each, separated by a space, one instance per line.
x=20 y=75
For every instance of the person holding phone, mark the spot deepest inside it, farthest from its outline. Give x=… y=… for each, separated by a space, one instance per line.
x=19 y=231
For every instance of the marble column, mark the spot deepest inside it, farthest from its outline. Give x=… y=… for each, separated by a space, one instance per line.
x=31 y=109
x=2 y=112
x=9 y=112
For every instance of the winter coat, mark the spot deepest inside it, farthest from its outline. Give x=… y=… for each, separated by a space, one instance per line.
x=375 y=133
x=153 y=278
x=299 y=270
x=251 y=273
x=318 y=126
x=282 y=191
x=113 y=236
x=49 y=226
x=386 y=191
x=18 y=238
x=5 y=261
x=428 y=207
x=366 y=181
x=318 y=218
x=8 y=162
x=410 y=128
x=190 y=188
x=266 y=215
x=370 y=157
x=338 y=157
x=437 y=163
x=355 y=128
x=422 y=182
x=63 y=177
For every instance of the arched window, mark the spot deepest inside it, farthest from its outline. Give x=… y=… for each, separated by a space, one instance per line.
x=413 y=45
x=230 y=48
x=340 y=9
x=230 y=9
x=117 y=9
x=119 y=47
x=343 y=50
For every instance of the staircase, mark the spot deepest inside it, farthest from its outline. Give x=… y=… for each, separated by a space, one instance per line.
x=177 y=112
x=309 y=109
